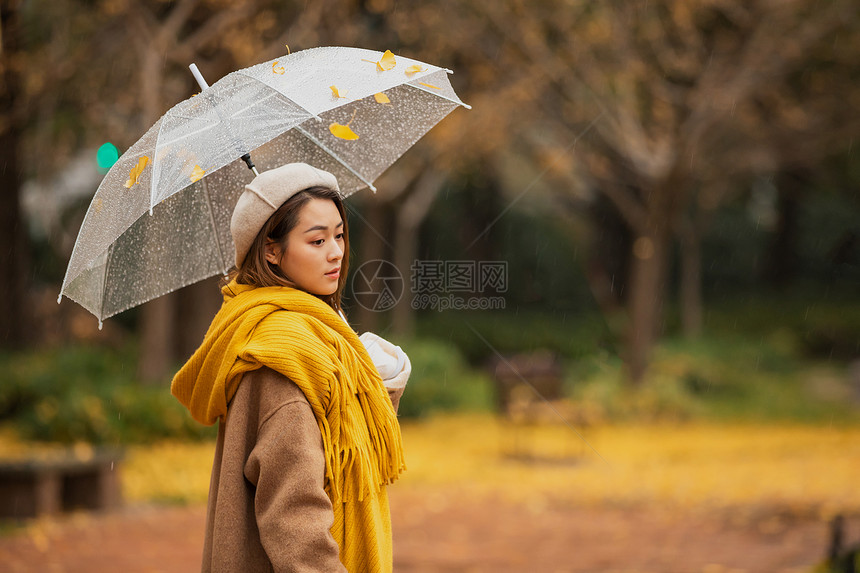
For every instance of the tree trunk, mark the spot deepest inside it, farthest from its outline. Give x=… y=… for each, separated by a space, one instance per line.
x=371 y=248
x=409 y=219
x=691 y=283
x=157 y=317
x=781 y=265
x=15 y=313
x=645 y=300
x=196 y=305
x=157 y=342
x=608 y=262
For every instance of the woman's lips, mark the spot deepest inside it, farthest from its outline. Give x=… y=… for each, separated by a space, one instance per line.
x=335 y=274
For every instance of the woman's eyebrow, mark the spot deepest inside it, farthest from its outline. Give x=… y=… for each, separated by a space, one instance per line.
x=323 y=227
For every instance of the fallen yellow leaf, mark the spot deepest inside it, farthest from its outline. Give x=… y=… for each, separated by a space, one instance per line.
x=381 y=98
x=342 y=131
x=197 y=173
x=278 y=69
x=386 y=62
x=429 y=86
x=414 y=69
x=337 y=93
x=134 y=175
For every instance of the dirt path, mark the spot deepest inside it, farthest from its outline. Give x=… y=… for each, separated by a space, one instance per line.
x=436 y=531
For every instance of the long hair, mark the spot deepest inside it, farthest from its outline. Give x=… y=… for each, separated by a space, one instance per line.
x=258 y=272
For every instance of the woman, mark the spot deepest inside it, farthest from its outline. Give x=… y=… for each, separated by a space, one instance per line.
x=308 y=437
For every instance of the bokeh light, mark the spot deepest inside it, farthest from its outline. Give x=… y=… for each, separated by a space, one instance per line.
x=106 y=156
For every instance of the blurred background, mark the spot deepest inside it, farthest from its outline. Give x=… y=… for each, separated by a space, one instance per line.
x=668 y=362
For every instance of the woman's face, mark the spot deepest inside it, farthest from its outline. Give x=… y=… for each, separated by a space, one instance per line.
x=314 y=249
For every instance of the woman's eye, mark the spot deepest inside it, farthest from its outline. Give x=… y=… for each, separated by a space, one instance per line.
x=318 y=242
x=339 y=236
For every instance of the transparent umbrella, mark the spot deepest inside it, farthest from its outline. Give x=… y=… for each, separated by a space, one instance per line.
x=160 y=219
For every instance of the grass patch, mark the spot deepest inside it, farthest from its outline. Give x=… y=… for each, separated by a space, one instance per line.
x=718 y=379
x=89 y=394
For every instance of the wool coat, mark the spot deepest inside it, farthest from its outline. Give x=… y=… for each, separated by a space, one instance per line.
x=268 y=509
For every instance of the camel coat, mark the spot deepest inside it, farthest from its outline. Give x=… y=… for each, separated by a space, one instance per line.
x=268 y=510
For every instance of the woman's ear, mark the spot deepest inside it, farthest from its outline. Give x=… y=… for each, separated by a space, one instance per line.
x=273 y=252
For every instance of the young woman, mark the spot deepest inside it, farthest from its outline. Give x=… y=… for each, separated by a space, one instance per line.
x=308 y=435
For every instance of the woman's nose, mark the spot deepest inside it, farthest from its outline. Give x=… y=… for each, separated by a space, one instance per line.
x=336 y=252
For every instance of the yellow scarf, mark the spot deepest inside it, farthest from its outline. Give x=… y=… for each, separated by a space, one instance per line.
x=301 y=337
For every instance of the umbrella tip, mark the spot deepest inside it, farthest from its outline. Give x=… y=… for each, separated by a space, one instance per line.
x=198 y=76
x=59 y=298
x=101 y=324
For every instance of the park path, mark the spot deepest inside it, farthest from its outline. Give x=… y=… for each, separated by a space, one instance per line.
x=453 y=531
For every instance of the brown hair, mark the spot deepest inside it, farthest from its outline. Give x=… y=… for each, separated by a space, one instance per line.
x=257 y=271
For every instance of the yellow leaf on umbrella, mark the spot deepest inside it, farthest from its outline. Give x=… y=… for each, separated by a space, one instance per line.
x=386 y=62
x=134 y=175
x=381 y=98
x=429 y=86
x=278 y=69
x=342 y=131
x=197 y=173
x=414 y=69
x=337 y=93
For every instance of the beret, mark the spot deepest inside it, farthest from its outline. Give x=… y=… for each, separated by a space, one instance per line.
x=265 y=194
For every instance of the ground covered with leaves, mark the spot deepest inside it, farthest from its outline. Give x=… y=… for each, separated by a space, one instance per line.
x=483 y=495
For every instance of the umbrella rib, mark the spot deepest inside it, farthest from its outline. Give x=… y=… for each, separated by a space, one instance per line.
x=108 y=259
x=277 y=91
x=439 y=95
x=212 y=125
x=212 y=221
x=220 y=122
x=335 y=157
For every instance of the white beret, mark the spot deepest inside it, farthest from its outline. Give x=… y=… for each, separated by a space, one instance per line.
x=265 y=194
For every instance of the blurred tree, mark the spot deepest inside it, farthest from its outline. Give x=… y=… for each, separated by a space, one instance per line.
x=675 y=85
x=15 y=314
x=664 y=108
x=113 y=67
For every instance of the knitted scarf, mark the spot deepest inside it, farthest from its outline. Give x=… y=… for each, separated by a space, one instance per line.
x=301 y=337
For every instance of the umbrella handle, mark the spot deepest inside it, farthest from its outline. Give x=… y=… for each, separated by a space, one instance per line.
x=203 y=85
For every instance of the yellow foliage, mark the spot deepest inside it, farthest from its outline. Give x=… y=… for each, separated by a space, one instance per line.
x=413 y=69
x=168 y=471
x=386 y=62
x=343 y=131
x=381 y=98
x=796 y=467
x=429 y=86
x=278 y=69
x=337 y=93
x=136 y=171
x=197 y=174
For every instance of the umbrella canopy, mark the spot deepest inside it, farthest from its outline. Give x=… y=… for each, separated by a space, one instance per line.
x=160 y=219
